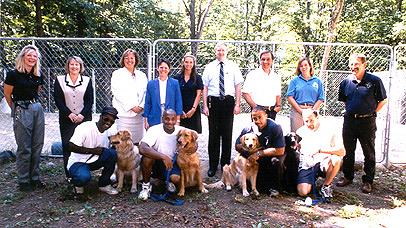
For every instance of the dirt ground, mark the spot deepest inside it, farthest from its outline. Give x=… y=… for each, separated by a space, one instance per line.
x=56 y=206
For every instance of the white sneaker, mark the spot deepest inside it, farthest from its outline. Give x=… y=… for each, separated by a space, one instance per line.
x=109 y=190
x=145 y=192
x=79 y=190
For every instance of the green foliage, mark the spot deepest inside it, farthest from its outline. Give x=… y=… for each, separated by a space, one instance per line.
x=85 y=18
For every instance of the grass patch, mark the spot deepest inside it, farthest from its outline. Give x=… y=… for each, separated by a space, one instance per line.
x=351 y=211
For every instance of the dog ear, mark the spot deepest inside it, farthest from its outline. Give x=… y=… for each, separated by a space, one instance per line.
x=242 y=139
x=195 y=135
x=180 y=133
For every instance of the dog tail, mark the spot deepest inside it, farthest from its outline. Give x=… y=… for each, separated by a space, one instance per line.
x=218 y=184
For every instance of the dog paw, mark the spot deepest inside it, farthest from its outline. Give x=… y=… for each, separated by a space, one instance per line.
x=204 y=190
x=255 y=192
x=245 y=193
x=181 y=193
x=119 y=189
x=228 y=188
x=133 y=190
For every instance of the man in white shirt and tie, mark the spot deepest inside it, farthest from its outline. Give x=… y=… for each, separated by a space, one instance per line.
x=222 y=80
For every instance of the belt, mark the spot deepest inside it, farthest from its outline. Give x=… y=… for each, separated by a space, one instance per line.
x=221 y=98
x=306 y=105
x=25 y=103
x=362 y=116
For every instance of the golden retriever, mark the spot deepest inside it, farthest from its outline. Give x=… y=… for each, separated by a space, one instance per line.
x=241 y=169
x=188 y=161
x=128 y=158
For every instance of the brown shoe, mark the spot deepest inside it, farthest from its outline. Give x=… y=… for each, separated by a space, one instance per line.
x=366 y=187
x=343 y=182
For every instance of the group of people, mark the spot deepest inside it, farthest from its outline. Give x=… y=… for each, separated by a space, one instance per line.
x=153 y=110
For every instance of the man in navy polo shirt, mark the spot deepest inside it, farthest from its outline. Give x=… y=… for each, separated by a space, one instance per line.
x=364 y=95
x=270 y=136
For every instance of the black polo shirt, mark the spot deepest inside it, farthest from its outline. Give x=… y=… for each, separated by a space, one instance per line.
x=271 y=136
x=25 y=85
x=362 y=97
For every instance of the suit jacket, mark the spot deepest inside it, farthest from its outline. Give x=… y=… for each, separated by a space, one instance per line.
x=152 y=107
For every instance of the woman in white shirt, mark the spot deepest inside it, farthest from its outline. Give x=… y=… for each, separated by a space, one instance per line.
x=128 y=86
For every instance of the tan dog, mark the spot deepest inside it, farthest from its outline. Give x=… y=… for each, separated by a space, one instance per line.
x=128 y=158
x=188 y=161
x=241 y=169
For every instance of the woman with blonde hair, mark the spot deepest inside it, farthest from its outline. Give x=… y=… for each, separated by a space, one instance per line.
x=73 y=95
x=128 y=85
x=305 y=91
x=21 y=92
x=191 y=87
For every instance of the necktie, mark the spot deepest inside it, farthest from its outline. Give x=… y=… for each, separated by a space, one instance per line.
x=221 y=83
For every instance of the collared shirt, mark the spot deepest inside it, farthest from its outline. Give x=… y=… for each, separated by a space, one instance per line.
x=128 y=91
x=362 y=97
x=262 y=87
x=74 y=94
x=306 y=91
x=211 y=77
x=270 y=136
x=162 y=90
x=25 y=85
x=88 y=135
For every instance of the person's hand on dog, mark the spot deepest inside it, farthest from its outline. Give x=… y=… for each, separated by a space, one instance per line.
x=167 y=161
x=97 y=150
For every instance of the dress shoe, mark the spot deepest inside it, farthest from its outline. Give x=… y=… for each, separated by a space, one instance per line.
x=25 y=187
x=37 y=184
x=343 y=182
x=211 y=173
x=366 y=187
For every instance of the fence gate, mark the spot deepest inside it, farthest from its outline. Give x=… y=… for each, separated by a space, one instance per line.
x=101 y=57
x=245 y=54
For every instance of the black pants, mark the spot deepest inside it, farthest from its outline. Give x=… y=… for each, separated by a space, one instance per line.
x=364 y=130
x=221 y=117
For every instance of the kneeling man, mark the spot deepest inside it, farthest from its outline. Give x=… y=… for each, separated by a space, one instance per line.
x=90 y=151
x=321 y=152
x=158 y=148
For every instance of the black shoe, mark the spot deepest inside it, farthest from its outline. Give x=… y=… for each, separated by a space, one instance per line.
x=37 y=184
x=211 y=173
x=25 y=187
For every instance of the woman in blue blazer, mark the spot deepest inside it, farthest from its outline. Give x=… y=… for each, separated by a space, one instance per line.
x=162 y=94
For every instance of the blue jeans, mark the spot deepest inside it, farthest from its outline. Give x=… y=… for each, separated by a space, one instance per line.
x=80 y=171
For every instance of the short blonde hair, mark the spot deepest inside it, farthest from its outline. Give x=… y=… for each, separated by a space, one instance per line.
x=20 y=60
x=77 y=59
x=125 y=53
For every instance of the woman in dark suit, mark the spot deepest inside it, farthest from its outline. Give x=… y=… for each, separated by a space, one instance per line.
x=162 y=93
x=21 y=92
x=191 y=86
x=73 y=95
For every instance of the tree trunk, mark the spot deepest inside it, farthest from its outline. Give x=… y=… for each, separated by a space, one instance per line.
x=38 y=18
x=335 y=17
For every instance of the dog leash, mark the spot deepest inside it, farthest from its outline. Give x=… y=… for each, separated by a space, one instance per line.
x=166 y=196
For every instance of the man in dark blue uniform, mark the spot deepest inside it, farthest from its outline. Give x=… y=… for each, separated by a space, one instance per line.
x=364 y=95
x=270 y=136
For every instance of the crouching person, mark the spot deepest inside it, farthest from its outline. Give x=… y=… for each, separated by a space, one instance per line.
x=321 y=153
x=158 y=148
x=90 y=151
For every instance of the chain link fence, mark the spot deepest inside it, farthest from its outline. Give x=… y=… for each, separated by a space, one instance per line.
x=397 y=113
x=101 y=57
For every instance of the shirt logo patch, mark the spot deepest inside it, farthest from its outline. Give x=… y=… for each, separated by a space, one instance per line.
x=315 y=86
x=368 y=85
